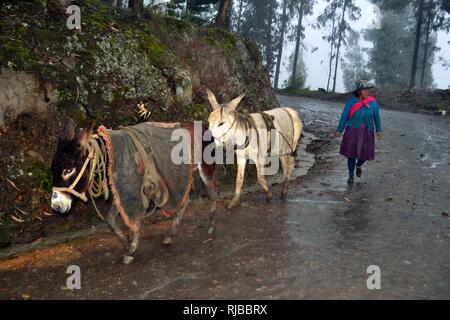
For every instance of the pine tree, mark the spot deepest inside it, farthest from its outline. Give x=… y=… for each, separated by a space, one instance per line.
x=327 y=20
x=284 y=22
x=239 y=15
x=419 y=23
x=302 y=8
x=354 y=64
x=429 y=18
x=425 y=11
x=136 y=6
x=393 y=46
x=259 y=23
x=224 y=13
x=298 y=80
x=336 y=17
x=437 y=18
x=351 y=12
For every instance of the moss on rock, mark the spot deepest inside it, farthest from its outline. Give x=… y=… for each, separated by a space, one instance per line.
x=122 y=69
x=117 y=61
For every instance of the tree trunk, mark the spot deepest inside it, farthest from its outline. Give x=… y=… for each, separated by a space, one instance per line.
x=297 y=41
x=427 y=43
x=341 y=35
x=333 y=35
x=241 y=8
x=269 y=51
x=224 y=14
x=412 y=82
x=136 y=6
x=280 y=43
x=241 y=5
x=189 y=6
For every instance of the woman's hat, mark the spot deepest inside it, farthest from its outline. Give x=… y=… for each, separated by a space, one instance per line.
x=363 y=84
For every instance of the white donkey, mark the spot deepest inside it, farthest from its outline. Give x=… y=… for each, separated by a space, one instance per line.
x=256 y=137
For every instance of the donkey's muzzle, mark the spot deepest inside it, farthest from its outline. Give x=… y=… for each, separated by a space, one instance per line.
x=61 y=202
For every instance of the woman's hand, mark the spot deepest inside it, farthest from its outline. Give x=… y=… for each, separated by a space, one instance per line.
x=337 y=134
x=379 y=135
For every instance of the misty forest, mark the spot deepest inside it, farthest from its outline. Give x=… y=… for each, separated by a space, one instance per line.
x=404 y=46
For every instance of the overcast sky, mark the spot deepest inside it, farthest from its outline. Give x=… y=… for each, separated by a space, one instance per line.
x=316 y=62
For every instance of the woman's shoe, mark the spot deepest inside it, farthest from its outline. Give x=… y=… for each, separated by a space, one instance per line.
x=359 y=172
x=351 y=180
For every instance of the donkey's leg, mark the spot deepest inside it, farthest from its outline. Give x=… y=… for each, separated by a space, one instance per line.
x=111 y=219
x=127 y=259
x=288 y=163
x=212 y=191
x=239 y=181
x=285 y=165
x=262 y=179
x=176 y=221
x=207 y=173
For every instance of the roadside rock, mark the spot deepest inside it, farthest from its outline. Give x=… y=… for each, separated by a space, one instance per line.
x=22 y=93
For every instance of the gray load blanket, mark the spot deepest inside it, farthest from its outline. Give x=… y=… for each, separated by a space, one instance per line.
x=129 y=171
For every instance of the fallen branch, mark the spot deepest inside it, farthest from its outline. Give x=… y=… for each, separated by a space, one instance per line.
x=13 y=184
x=18 y=220
x=21 y=211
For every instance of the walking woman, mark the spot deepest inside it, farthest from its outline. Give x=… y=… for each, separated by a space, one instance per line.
x=360 y=119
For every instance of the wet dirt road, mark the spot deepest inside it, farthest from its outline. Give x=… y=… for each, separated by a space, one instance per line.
x=316 y=244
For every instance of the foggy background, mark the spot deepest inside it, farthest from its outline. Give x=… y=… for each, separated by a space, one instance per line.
x=316 y=62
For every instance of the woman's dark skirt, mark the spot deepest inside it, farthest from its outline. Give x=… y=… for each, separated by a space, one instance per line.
x=358 y=143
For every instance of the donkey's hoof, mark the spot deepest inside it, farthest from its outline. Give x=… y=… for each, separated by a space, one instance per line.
x=269 y=196
x=232 y=204
x=168 y=241
x=128 y=259
x=211 y=229
x=283 y=196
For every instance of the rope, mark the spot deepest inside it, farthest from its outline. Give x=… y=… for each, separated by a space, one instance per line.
x=249 y=123
x=98 y=180
x=153 y=187
x=97 y=184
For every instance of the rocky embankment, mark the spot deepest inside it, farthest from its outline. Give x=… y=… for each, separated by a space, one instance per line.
x=49 y=73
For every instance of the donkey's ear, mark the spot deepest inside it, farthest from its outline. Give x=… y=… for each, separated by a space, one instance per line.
x=86 y=134
x=69 y=130
x=212 y=100
x=235 y=102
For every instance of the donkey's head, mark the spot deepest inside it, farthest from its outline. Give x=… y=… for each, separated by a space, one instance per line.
x=67 y=164
x=223 y=117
